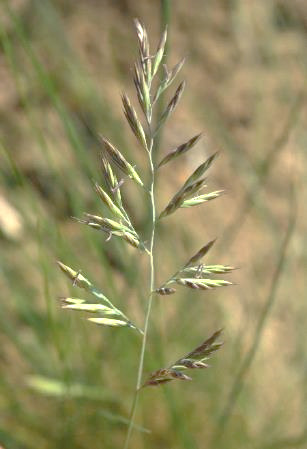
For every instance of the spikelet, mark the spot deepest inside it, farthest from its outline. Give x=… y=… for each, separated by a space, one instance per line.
x=193 y=360
x=118 y=159
x=180 y=150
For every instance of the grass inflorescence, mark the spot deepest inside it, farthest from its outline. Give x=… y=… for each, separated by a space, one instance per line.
x=151 y=79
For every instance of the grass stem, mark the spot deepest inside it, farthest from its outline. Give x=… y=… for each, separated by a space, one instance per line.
x=150 y=296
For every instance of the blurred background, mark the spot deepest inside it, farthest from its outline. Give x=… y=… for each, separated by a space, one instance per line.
x=65 y=383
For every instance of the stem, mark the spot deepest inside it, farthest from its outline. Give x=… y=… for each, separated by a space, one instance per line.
x=150 y=296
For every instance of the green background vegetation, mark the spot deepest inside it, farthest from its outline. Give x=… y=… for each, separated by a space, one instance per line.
x=65 y=383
